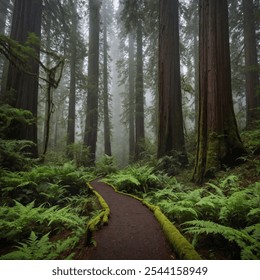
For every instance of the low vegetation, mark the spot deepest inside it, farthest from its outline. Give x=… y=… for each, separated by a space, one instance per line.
x=45 y=209
x=220 y=218
x=44 y=212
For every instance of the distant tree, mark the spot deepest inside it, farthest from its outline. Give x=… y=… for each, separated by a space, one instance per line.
x=218 y=141
x=72 y=92
x=107 y=131
x=91 y=126
x=3 y=17
x=131 y=95
x=22 y=88
x=251 y=63
x=170 y=135
x=132 y=16
x=139 y=92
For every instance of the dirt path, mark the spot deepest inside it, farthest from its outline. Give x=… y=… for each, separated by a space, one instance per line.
x=132 y=232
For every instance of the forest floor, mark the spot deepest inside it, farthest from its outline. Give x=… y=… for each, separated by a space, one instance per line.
x=132 y=232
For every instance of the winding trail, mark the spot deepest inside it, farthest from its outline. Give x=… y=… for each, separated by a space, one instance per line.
x=132 y=232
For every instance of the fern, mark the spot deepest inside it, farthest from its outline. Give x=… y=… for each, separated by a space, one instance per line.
x=209 y=206
x=39 y=249
x=134 y=179
x=236 y=208
x=106 y=165
x=18 y=221
x=248 y=243
x=177 y=213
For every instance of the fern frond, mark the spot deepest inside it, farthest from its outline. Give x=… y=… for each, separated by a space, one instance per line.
x=198 y=227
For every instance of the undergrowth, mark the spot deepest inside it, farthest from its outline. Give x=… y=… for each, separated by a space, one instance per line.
x=42 y=204
x=223 y=208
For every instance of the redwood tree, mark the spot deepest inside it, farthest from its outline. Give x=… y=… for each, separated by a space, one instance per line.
x=139 y=92
x=251 y=64
x=218 y=141
x=107 y=140
x=23 y=87
x=131 y=97
x=91 y=126
x=72 y=94
x=170 y=136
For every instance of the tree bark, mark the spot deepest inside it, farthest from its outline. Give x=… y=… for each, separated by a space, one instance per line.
x=3 y=62
x=3 y=14
x=131 y=97
x=218 y=141
x=91 y=127
x=72 y=93
x=139 y=93
x=24 y=87
x=170 y=136
x=107 y=142
x=251 y=64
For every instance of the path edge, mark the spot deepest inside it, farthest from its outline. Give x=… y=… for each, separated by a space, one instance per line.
x=101 y=219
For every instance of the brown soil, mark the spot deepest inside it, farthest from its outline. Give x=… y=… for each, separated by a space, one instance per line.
x=132 y=232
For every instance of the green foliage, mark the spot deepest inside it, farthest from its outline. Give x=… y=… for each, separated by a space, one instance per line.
x=18 y=221
x=44 y=183
x=13 y=154
x=106 y=165
x=49 y=201
x=251 y=138
x=40 y=249
x=134 y=179
x=169 y=164
x=249 y=244
x=79 y=153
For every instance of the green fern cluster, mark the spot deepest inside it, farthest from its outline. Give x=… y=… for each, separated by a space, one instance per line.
x=49 y=184
x=12 y=152
x=18 y=221
x=251 y=137
x=224 y=208
x=134 y=179
x=45 y=200
x=106 y=165
x=40 y=248
x=248 y=239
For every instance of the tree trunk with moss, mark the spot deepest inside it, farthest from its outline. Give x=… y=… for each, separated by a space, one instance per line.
x=22 y=88
x=171 y=135
x=218 y=142
x=251 y=64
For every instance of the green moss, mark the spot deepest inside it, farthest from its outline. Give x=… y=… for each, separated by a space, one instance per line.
x=100 y=219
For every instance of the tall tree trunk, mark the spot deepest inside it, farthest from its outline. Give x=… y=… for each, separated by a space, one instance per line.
x=48 y=101
x=91 y=127
x=107 y=142
x=3 y=62
x=218 y=140
x=72 y=94
x=196 y=65
x=251 y=64
x=3 y=14
x=139 y=93
x=131 y=97
x=24 y=87
x=170 y=136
